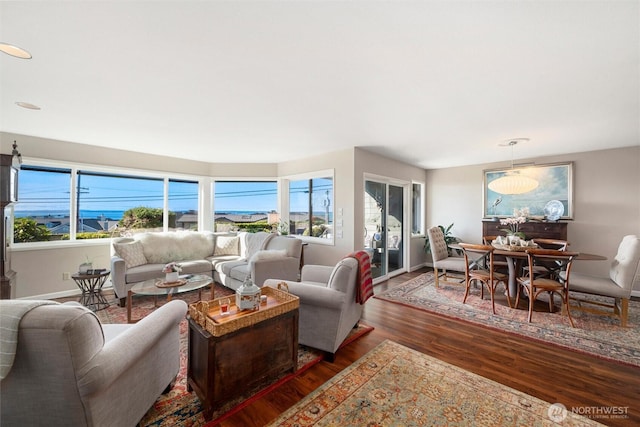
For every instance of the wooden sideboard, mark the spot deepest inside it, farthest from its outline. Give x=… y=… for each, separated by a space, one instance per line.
x=531 y=229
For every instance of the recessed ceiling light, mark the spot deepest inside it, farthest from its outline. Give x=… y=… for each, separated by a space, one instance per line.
x=16 y=51
x=27 y=105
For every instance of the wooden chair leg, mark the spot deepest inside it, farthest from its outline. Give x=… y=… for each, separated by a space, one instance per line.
x=506 y=286
x=435 y=272
x=565 y=302
x=624 y=314
x=492 y=289
x=466 y=291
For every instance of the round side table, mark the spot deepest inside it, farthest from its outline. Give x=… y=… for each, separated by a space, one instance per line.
x=91 y=287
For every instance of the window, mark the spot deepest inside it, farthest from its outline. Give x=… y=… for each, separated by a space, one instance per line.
x=311 y=203
x=103 y=200
x=65 y=203
x=417 y=218
x=183 y=202
x=43 y=209
x=245 y=205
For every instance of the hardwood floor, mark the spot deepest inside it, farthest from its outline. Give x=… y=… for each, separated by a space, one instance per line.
x=547 y=372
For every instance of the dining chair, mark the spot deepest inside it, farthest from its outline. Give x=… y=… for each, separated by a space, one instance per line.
x=480 y=268
x=501 y=264
x=442 y=262
x=625 y=269
x=534 y=285
x=549 y=269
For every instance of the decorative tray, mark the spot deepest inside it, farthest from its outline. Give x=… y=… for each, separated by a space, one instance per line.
x=206 y=313
x=514 y=248
x=164 y=284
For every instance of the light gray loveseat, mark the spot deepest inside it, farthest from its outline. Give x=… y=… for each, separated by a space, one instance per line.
x=227 y=257
x=70 y=370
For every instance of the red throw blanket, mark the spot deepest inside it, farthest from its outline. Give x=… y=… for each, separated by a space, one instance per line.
x=364 y=282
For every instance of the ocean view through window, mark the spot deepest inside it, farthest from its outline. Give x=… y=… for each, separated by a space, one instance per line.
x=76 y=203
x=245 y=205
x=66 y=203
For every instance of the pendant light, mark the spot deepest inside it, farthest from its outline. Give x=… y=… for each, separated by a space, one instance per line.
x=513 y=182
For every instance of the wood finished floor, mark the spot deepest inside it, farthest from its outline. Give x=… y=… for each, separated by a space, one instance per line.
x=546 y=372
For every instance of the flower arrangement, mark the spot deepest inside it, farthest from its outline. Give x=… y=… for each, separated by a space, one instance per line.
x=172 y=267
x=519 y=217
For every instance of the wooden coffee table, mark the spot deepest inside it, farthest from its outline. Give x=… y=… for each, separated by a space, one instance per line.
x=226 y=362
x=157 y=287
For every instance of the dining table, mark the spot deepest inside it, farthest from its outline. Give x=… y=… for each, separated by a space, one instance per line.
x=515 y=259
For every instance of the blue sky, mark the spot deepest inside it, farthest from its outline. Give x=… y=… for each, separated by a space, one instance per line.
x=49 y=191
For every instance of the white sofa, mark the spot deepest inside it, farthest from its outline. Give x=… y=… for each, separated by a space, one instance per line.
x=227 y=257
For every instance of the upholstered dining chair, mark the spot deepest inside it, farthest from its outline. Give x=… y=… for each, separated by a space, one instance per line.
x=534 y=285
x=442 y=262
x=624 y=271
x=480 y=268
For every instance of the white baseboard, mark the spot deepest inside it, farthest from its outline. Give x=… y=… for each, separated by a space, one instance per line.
x=61 y=294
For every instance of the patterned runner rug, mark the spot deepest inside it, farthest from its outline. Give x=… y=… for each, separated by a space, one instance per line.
x=179 y=407
x=393 y=385
x=599 y=336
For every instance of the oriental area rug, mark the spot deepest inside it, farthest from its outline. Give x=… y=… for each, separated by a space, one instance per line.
x=393 y=385
x=599 y=336
x=179 y=407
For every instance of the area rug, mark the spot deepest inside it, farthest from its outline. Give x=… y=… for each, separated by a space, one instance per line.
x=600 y=336
x=181 y=408
x=393 y=385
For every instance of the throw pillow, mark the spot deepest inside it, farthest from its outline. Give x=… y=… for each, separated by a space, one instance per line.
x=132 y=253
x=226 y=245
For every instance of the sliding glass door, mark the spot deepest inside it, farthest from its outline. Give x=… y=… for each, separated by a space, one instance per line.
x=384 y=227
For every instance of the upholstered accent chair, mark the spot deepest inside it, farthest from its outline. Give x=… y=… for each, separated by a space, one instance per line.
x=442 y=262
x=328 y=307
x=69 y=370
x=624 y=272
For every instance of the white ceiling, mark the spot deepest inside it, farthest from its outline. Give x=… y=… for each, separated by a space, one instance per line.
x=432 y=83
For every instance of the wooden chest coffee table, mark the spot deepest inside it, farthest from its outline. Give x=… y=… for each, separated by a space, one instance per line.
x=231 y=355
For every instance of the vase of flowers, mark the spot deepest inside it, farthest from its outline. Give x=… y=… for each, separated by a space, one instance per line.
x=172 y=271
x=513 y=223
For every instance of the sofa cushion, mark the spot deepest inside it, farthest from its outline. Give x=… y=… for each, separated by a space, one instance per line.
x=143 y=272
x=199 y=266
x=227 y=245
x=240 y=272
x=164 y=247
x=132 y=253
x=226 y=267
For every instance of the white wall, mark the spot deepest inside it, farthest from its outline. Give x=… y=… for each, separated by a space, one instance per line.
x=606 y=201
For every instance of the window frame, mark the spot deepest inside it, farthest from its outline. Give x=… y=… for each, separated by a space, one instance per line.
x=285 y=205
x=420 y=220
x=75 y=167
